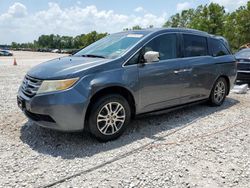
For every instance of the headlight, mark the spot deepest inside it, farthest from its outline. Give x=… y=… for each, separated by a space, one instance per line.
x=56 y=85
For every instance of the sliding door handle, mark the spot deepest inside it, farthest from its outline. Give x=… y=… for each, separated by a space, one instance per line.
x=187 y=70
x=182 y=70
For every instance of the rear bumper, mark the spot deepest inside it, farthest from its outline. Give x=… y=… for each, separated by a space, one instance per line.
x=63 y=111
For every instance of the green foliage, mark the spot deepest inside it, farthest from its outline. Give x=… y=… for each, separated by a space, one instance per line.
x=243 y=24
x=61 y=42
x=182 y=19
x=209 y=18
x=212 y=18
x=136 y=27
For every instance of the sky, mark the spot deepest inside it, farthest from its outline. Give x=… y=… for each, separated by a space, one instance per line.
x=26 y=20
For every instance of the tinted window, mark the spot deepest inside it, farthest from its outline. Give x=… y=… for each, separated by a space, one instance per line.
x=134 y=59
x=166 y=45
x=218 y=49
x=195 y=46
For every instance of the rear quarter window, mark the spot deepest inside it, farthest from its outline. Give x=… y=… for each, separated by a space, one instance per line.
x=218 y=48
x=195 y=45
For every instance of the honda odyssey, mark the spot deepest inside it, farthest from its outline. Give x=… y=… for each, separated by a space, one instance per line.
x=103 y=86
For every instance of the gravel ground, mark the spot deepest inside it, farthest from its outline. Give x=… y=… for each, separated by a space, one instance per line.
x=198 y=146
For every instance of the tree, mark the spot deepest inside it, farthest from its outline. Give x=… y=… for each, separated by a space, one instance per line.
x=90 y=38
x=182 y=19
x=209 y=18
x=231 y=32
x=62 y=42
x=14 y=45
x=213 y=19
x=243 y=24
x=136 y=27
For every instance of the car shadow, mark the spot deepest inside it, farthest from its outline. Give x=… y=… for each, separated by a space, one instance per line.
x=78 y=145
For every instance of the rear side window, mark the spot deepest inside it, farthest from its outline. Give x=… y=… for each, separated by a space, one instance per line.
x=195 y=45
x=218 y=49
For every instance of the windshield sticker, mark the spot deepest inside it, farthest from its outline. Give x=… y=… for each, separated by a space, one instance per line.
x=135 y=35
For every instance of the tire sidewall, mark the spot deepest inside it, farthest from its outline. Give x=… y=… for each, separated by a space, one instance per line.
x=98 y=105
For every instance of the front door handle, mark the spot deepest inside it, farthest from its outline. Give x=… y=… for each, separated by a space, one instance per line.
x=176 y=72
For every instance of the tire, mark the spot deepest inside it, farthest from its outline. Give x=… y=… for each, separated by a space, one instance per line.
x=106 y=124
x=219 y=92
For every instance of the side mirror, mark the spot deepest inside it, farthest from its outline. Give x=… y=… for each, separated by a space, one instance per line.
x=151 y=56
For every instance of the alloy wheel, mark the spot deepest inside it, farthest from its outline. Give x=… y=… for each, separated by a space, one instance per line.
x=111 y=118
x=219 y=91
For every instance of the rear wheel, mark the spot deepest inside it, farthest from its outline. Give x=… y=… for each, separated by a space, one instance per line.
x=219 y=92
x=109 y=117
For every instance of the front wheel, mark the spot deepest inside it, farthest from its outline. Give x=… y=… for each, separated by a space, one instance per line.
x=219 y=92
x=109 y=117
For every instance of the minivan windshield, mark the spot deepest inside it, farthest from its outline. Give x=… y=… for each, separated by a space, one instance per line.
x=111 y=47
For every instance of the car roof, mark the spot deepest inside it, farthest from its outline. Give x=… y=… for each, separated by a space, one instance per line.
x=164 y=30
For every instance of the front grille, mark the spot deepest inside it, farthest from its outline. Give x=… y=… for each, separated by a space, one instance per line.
x=30 y=86
x=243 y=76
x=244 y=66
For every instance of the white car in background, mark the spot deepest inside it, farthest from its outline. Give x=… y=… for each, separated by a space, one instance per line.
x=5 y=53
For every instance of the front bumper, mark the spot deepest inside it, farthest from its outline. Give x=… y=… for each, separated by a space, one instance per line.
x=243 y=76
x=63 y=111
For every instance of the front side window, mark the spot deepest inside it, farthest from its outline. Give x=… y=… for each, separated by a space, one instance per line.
x=165 y=44
x=112 y=46
x=218 y=49
x=135 y=59
x=195 y=45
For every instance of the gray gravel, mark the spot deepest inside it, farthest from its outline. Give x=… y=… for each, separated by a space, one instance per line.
x=210 y=149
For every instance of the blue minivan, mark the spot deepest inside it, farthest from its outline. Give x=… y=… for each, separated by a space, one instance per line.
x=103 y=86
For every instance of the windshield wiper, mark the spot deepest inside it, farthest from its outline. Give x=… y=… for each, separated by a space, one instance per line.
x=93 y=55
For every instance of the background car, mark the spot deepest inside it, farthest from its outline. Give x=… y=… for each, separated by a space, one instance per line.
x=55 y=51
x=243 y=58
x=5 y=53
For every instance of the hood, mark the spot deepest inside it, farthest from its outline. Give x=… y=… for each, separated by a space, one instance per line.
x=65 y=67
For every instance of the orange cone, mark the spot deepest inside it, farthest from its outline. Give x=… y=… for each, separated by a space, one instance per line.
x=14 y=63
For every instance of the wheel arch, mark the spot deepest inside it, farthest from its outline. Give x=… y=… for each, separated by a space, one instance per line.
x=227 y=80
x=126 y=93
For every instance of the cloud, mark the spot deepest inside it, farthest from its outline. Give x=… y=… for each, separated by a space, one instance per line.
x=139 y=9
x=183 y=6
x=17 y=10
x=230 y=4
x=17 y=25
